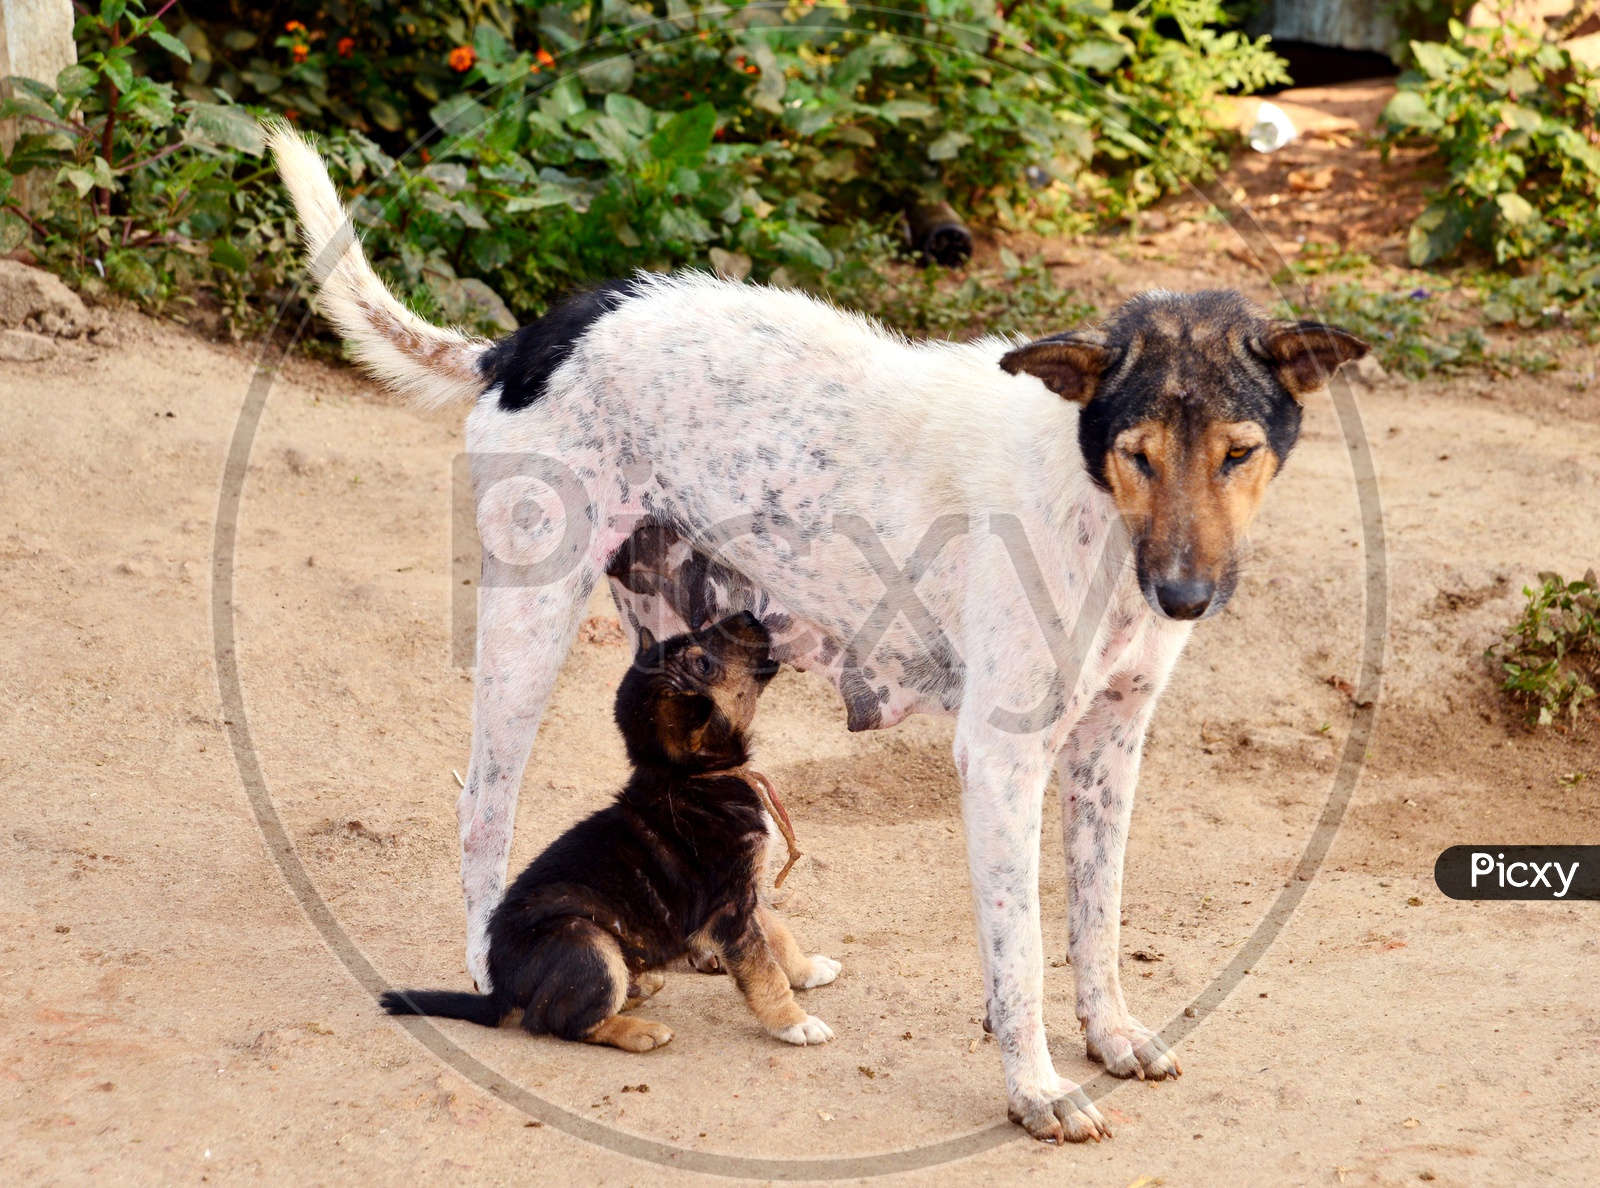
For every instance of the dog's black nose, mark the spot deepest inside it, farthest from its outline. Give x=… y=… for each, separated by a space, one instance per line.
x=1185 y=600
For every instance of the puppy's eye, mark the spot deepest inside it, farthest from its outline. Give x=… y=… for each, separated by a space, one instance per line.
x=1143 y=463
x=702 y=666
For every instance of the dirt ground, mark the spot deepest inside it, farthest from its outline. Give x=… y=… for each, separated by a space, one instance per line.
x=168 y=1013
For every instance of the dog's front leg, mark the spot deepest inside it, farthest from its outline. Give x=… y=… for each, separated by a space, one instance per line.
x=1003 y=781
x=1099 y=770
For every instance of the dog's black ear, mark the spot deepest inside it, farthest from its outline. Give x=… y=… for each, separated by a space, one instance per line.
x=1308 y=353
x=646 y=640
x=1069 y=364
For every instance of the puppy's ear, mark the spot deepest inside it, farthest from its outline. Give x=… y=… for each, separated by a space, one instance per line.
x=1308 y=353
x=682 y=722
x=646 y=641
x=1069 y=364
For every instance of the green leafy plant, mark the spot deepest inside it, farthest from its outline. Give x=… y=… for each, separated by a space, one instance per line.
x=1401 y=326
x=1551 y=656
x=1514 y=120
x=1563 y=288
x=1019 y=297
x=132 y=188
x=571 y=141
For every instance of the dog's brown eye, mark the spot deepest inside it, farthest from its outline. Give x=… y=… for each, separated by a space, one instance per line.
x=1241 y=452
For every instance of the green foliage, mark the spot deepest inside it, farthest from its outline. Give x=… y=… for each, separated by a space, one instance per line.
x=1401 y=328
x=1423 y=20
x=143 y=192
x=569 y=142
x=1321 y=259
x=1551 y=656
x=1020 y=297
x=1514 y=121
x=1563 y=288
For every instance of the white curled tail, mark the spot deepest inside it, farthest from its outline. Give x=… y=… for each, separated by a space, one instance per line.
x=432 y=364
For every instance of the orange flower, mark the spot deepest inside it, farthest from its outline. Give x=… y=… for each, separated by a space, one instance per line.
x=347 y=46
x=294 y=27
x=544 y=57
x=462 y=58
x=300 y=52
x=426 y=156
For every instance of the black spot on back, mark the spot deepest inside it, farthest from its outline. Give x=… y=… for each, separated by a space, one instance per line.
x=522 y=363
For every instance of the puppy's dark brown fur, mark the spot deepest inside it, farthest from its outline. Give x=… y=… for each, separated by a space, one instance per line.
x=673 y=866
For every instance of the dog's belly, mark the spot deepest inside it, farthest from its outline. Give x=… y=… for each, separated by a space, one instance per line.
x=661 y=582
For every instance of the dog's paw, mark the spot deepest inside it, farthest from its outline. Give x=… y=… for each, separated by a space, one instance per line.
x=823 y=971
x=810 y=1030
x=644 y=1036
x=1133 y=1050
x=646 y=986
x=704 y=961
x=478 y=969
x=1068 y=1117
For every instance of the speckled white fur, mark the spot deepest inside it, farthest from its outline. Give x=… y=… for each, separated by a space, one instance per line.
x=817 y=449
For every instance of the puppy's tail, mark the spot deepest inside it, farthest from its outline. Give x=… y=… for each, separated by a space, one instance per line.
x=444 y=1004
x=431 y=364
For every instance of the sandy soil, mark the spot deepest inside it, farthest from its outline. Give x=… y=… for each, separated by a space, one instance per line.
x=168 y=1013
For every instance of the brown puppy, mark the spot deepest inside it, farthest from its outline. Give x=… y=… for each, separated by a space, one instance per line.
x=672 y=867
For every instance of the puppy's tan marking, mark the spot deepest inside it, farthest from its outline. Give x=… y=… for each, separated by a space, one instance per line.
x=629 y=1033
x=795 y=964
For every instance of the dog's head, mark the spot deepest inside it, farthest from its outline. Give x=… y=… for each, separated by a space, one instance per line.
x=687 y=701
x=1191 y=404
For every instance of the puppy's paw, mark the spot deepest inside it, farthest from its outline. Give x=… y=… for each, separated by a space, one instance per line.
x=823 y=971
x=646 y=985
x=629 y=1033
x=810 y=1030
x=1068 y=1116
x=1132 y=1050
x=704 y=961
x=648 y=1037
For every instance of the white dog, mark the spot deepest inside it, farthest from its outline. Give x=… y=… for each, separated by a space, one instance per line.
x=1020 y=536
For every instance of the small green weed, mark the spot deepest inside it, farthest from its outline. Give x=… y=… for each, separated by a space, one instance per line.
x=1551 y=656
x=1320 y=259
x=1564 y=289
x=1400 y=327
x=1020 y=297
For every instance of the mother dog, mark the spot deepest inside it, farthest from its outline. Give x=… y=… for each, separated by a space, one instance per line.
x=938 y=528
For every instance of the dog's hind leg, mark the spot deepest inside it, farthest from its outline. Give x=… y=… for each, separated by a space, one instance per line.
x=578 y=982
x=523 y=637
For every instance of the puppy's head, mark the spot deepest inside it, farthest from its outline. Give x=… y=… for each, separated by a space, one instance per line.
x=687 y=701
x=1191 y=404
